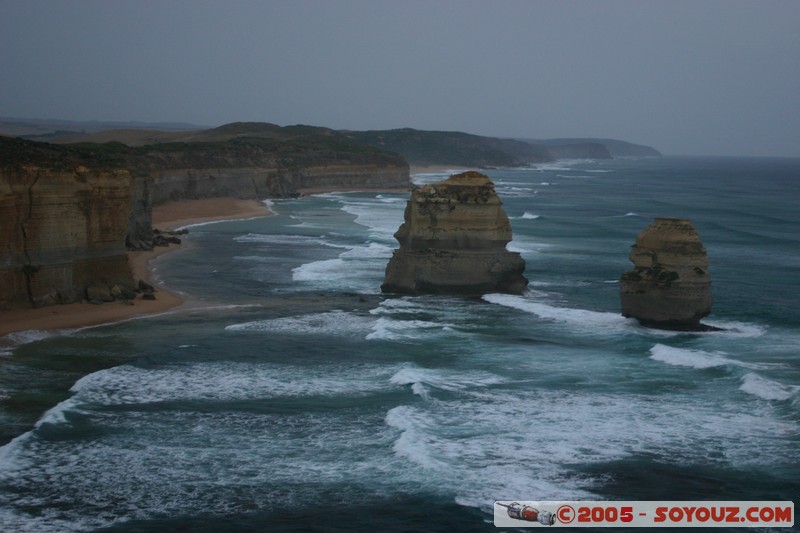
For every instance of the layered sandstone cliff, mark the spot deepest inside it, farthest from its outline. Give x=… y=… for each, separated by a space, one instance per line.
x=669 y=286
x=270 y=180
x=453 y=240
x=62 y=233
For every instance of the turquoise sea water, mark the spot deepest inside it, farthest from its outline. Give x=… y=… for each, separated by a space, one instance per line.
x=293 y=396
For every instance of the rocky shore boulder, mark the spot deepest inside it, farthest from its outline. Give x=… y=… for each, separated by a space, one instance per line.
x=669 y=286
x=453 y=240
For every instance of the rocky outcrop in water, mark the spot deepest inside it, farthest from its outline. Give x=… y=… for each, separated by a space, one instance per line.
x=453 y=240
x=669 y=286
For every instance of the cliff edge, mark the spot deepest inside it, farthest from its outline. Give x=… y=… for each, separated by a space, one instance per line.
x=453 y=240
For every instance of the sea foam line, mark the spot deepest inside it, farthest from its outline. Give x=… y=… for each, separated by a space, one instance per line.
x=767 y=389
x=701 y=359
x=583 y=317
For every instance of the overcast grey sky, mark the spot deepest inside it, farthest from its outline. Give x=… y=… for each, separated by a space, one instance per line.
x=686 y=76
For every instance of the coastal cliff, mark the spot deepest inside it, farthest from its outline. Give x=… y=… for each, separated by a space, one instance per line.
x=258 y=182
x=669 y=286
x=71 y=212
x=453 y=240
x=63 y=234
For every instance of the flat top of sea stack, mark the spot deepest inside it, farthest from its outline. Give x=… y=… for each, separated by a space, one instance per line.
x=477 y=187
x=470 y=178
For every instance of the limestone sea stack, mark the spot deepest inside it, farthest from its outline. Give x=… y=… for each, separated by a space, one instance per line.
x=669 y=286
x=453 y=240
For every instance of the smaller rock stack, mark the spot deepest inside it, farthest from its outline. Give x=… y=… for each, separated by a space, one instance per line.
x=669 y=286
x=454 y=240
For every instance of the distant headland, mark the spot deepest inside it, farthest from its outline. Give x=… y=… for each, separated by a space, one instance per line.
x=418 y=147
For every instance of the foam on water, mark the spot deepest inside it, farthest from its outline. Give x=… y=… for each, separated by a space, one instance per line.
x=443 y=379
x=222 y=381
x=231 y=463
x=360 y=268
x=691 y=358
x=492 y=441
x=578 y=318
x=32 y=335
x=767 y=389
x=525 y=245
x=514 y=191
x=527 y=215
x=734 y=329
x=702 y=359
x=386 y=328
x=329 y=323
x=298 y=240
x=381 y=215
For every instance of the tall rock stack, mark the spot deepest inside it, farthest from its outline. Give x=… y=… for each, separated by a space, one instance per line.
x=453 y=240
x=669 y=286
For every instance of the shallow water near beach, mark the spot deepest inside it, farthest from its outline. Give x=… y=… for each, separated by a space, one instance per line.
x=297 y=397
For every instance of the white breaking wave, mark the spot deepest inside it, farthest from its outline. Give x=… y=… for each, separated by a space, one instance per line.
x=330 y=323
x=443 y=379
x=381 y=215
x=223 y=381
x=767 y=389
x=404 y=330
x=360 y=268
x=691 y=358
x=735 y=329
x=578 y=317
x=492 y=441
x=31 y=335
x=524 y=245
x=701 y=359
x=529 y=216
x=414 y=318
x=278 y=238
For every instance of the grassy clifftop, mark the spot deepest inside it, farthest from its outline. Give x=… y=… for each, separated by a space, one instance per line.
x=233 y=145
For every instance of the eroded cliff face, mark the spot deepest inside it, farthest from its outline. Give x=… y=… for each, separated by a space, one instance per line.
x=453 y=240
x=258 y=182
x=62 y=232
x=69 y=212
x=669 y=286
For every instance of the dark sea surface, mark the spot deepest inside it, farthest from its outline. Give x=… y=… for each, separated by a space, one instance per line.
x=293 y=396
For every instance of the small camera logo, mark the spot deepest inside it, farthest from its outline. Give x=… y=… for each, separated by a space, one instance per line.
x=530 y=514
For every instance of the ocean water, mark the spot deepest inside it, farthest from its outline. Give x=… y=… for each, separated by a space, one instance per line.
x=293 y=396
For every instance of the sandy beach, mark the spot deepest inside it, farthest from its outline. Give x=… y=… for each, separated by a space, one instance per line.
x=165 y=217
